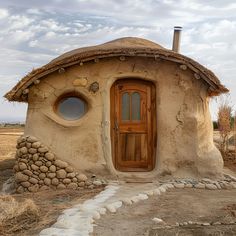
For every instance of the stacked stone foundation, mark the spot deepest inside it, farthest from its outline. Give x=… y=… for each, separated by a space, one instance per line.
x=37 y=168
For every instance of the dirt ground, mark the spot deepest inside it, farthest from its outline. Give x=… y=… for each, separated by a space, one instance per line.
x=175 y=206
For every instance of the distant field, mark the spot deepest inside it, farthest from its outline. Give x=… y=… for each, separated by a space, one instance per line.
x=4 y=130
x=8 y=137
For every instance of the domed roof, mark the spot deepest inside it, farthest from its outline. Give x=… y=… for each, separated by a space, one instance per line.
x=132 y=42
x=129 y=46
x=126 y=42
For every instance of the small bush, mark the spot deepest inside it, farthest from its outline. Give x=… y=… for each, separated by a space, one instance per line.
x=16 y=216
x=224 y=124
x=234 y=125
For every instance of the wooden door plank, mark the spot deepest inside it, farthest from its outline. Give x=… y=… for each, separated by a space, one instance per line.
x=138 y=147
x=131 y=147
x=144 y=150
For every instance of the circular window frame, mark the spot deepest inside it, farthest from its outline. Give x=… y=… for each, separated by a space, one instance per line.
x=62 y=97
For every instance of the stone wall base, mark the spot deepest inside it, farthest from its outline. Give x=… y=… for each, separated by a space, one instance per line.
x=37 y=168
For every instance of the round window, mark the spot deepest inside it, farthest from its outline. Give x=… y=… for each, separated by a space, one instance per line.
x=71 y=108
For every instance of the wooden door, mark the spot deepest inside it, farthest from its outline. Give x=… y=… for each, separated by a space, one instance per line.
x=133 y=125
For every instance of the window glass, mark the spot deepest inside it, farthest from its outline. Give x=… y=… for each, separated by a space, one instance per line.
x=71 y=108
x=125 y=106
x=136 y=111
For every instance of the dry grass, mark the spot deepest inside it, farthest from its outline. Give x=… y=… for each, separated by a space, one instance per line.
x=224 y=118
x=7 y=152
x=16 y=216
x=235 y=133
x=8 y=146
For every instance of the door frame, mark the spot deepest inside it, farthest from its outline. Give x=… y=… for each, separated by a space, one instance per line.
x=152 y=127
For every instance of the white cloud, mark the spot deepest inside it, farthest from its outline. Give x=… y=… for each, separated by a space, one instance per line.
x=53 y=25
x=32 y=33
x=33 y=43
x=34 y=11
x=19 y=22
x=3 y=13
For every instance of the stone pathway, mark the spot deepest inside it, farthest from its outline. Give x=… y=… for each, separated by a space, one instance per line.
x=79 y=220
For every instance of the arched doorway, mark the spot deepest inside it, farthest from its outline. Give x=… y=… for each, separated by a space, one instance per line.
x=133 y=125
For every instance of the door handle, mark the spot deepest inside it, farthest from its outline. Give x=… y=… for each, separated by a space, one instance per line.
x=116 y=125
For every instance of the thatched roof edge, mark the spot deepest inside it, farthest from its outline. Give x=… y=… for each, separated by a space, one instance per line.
x=15 y=94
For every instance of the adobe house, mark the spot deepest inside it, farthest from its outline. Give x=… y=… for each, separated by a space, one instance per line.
x=128 y=106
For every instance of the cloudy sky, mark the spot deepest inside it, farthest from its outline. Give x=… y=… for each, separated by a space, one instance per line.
x=33 y=32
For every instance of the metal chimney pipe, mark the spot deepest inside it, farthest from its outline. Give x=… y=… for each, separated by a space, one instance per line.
x=176 y=38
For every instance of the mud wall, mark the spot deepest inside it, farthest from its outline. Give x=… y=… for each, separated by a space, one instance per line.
x=184 y=129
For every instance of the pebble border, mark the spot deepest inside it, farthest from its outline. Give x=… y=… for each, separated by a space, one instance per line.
x=229 y=182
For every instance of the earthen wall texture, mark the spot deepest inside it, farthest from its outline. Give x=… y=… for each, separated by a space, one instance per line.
x=184 y=128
